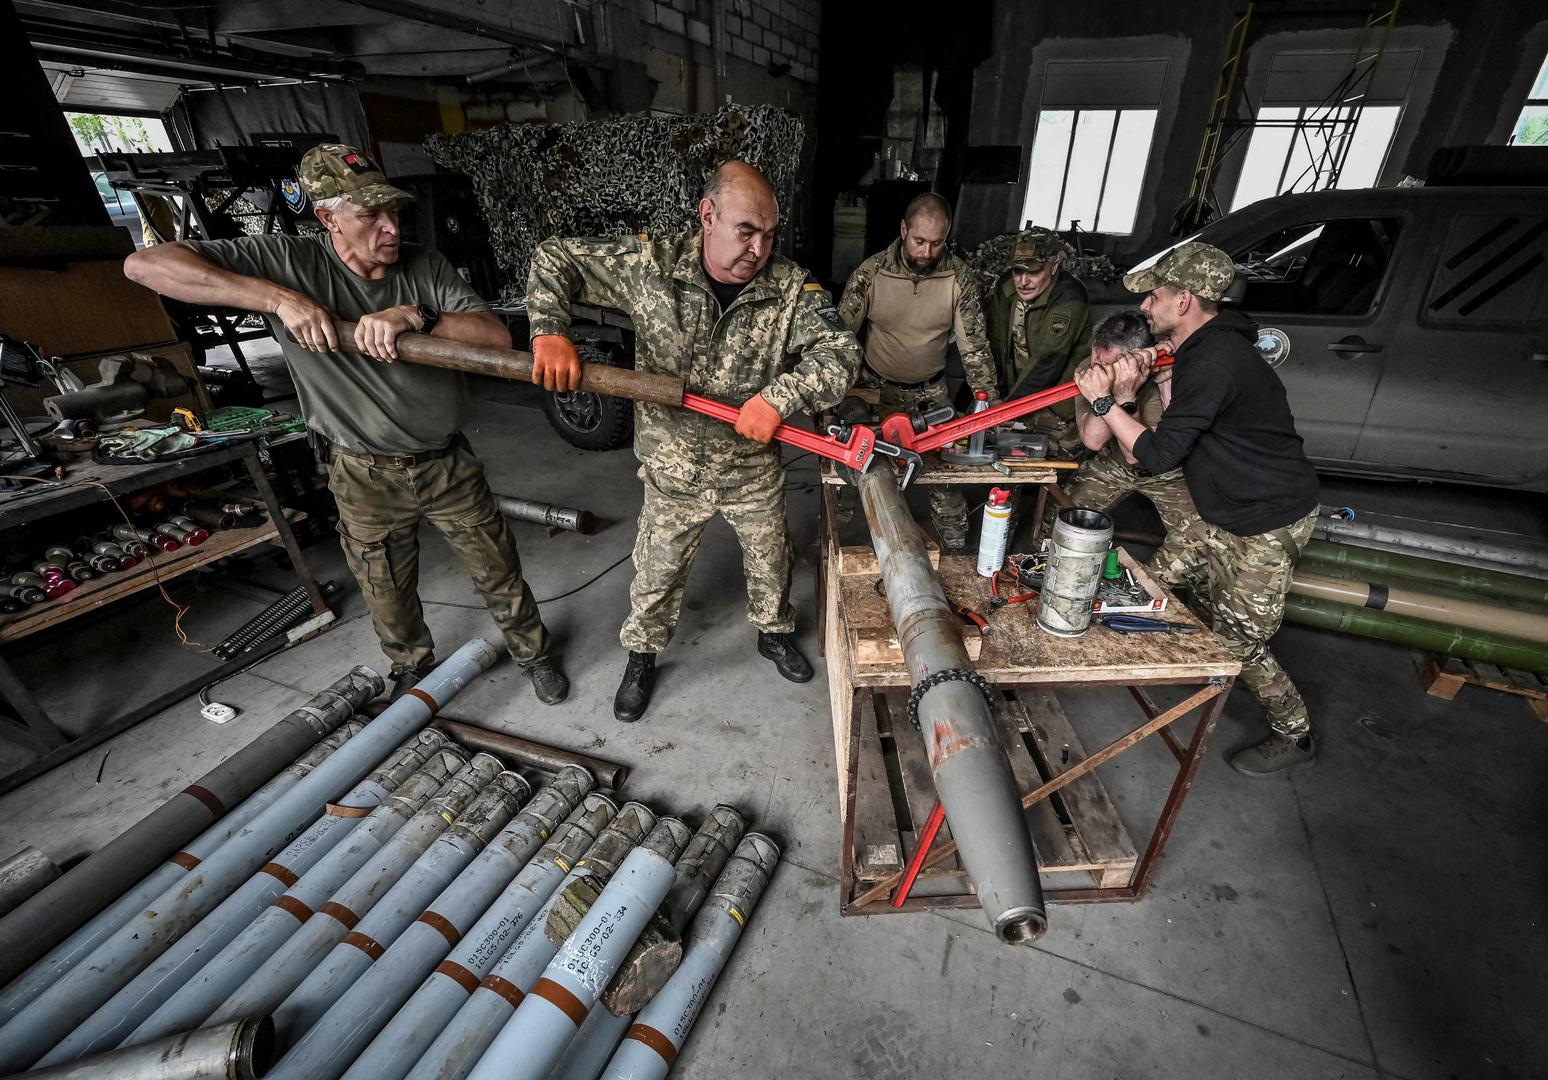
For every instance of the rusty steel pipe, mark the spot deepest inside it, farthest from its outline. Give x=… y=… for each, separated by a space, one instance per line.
x=533 y=755
x=967 y=760
x=515 y=364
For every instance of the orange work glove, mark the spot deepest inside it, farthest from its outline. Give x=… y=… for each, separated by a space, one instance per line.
x=555 y=363
x=758 y=419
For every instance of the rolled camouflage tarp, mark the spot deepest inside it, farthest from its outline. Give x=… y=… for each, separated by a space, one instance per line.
x=612 y=177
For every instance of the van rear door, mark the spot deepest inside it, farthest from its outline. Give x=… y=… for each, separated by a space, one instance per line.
x=1465 y=389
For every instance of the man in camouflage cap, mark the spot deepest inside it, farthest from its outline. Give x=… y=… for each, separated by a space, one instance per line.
x=911 y=302
x=715 y=307
x=1039 y=328
x=1229 y=426
x=394 y=431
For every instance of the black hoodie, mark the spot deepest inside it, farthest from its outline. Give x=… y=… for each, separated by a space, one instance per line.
x=1229 y=426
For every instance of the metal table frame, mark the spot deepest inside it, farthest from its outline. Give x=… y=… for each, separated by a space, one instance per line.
x=32 y=726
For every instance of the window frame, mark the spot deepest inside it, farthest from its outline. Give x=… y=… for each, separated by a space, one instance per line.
x=1530 y=102
x=1405 y=226
x=1075 y=112
x=1306 y=120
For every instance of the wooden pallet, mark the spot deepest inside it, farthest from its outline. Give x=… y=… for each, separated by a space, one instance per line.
x=1076 y=831
x=1445 y=676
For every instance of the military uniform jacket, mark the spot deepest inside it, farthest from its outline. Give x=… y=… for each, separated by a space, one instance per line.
x=781 y=336
x=912 y=317
x=1058 y=334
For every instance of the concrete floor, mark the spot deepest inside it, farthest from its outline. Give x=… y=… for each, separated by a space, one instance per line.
x=1380 y=915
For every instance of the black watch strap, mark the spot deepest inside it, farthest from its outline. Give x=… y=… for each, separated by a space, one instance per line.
x=428 y=317
x=1102 y=404
x=1130 y=407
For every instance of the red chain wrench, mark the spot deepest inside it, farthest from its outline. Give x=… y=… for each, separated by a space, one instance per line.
x=856 y=452
x=899 y=427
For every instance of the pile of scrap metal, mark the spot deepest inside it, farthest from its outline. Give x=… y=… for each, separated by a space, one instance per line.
x=1470 y=593
x=612 y=177
x=373 y=899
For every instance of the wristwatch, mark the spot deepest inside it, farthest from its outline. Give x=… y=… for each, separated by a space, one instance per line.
x=1102 y=404
x=428 y=317
x=1130 y=407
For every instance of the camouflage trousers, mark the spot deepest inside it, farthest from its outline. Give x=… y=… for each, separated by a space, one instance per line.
x=948 y=506
x=1102 y=483
x=672 y=522
x=1237 y=585
x=380 y=509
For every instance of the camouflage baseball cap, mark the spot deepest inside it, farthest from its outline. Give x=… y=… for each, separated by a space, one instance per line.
x=1202 y=269
x=1034 y=247
x=330 y=169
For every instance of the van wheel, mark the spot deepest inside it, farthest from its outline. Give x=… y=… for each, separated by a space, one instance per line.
x=592 y=421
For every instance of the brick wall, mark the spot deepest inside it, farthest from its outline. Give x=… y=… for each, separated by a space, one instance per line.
x=758 y=32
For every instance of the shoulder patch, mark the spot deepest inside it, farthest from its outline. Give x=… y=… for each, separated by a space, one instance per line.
x=812 y=286
x=1058 y=324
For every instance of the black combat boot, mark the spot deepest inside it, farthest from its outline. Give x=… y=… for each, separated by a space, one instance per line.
x=633 y=696
x=404 y=678
x=787 y=658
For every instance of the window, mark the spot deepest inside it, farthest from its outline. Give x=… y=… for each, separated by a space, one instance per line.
x=1088 y=166
x=1318 y=267
x=1492 y=270
x=1291 y=148
x=1532 y=124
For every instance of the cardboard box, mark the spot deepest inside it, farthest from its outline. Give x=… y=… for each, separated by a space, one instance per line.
x=81 y=308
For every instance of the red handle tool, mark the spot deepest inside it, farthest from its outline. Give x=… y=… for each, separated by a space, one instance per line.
x=856 y=452
x=898 y=429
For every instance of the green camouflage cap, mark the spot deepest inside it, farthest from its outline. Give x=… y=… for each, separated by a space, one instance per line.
x=1034 y=247
x=1202 y=269
x=330 y=169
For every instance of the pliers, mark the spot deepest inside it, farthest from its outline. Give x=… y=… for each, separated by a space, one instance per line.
x=1141 y=624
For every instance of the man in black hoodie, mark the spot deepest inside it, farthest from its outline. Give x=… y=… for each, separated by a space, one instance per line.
x=1229 y=427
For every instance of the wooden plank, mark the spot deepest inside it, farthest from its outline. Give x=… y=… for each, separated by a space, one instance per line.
x=877 y=846
x=1049 y=837
x=918 y=784
x=861 y=561
x=1099 y=831
x=840 y=678
x=879 y=644
x=158 y=569
x=1436 y=681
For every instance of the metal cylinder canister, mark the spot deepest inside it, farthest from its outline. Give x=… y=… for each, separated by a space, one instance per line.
x=1081 y=538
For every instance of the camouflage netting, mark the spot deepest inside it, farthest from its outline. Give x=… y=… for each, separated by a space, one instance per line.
x=991 y=259
x=612 y=177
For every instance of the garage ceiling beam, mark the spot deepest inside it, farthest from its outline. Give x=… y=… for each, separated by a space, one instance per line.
x=165 y=53
x=549 y=35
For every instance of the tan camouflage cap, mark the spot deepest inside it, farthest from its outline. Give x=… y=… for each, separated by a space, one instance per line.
x=1202 y=269
x=1034 y=247
x=331 y=169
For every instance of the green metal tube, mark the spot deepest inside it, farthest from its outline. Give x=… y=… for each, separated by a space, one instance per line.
x=1374 y=565
x=1447 y=640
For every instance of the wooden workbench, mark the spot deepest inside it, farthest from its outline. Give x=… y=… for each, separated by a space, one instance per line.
x=1076 y=830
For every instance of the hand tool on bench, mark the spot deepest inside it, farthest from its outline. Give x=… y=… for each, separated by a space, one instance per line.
x=1143 y=624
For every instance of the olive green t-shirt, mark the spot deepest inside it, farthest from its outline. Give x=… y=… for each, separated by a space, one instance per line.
x=350 y=399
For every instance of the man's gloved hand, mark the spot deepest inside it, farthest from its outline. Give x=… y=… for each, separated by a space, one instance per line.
x=555 y=363
x=758 y=419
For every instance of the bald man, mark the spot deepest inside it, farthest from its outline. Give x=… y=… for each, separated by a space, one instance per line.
x=909 y=303
x=717 y=308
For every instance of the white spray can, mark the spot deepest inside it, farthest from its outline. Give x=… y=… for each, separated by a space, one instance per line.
x=995 y=535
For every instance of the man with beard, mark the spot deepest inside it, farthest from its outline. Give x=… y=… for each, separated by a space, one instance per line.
x=1229 y=426
x=717 y=308
x=908 y=304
